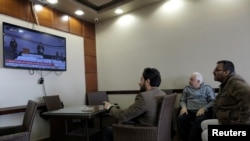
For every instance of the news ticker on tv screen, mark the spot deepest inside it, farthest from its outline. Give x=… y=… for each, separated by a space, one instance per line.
x=235 y=132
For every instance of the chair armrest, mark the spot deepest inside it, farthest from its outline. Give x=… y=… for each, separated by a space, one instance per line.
x=125 y=132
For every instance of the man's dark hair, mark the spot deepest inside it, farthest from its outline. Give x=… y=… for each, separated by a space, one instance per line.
x=153 y=75
x=227 y=65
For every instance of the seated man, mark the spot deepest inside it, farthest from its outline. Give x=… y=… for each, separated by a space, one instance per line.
x=196 y=101
x=231 y=105
x=144 y=110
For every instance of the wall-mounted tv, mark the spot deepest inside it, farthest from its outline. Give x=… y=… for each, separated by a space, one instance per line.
x=26 y=48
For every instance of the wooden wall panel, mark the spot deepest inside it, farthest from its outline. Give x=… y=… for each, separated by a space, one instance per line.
x=29 y=14
x=75 y=26
x=90 y=64
x=16 y=8
x=88 y=30
x=89 y=47
x=91 y=82
x=45 y=17
x=58 y=23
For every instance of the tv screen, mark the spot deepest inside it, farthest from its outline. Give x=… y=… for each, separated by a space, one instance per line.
x=26 y=48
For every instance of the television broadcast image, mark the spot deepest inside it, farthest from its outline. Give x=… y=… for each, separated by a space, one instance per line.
x=30 y=49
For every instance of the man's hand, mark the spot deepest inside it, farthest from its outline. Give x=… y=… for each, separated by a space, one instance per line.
x=107 y=105
x=183 y=111
x=200 y=112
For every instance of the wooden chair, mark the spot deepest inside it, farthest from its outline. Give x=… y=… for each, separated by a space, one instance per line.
x=161 y=132
x=96 y=98
x=53 y=102
x=20 y=132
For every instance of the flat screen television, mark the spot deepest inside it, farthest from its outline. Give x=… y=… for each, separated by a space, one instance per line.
x=26 y=48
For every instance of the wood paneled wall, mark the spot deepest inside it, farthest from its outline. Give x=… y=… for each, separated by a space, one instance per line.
x=22 y=9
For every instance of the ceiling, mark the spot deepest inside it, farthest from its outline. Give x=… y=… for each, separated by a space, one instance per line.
x=98 y=9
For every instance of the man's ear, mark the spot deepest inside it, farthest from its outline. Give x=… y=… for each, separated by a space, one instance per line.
x=227 y=72
x=148 y=81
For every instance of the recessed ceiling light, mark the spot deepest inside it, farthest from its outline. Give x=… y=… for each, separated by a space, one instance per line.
x=52 y=1
x=79 y=12
x=118 y=11
x=38 y=7
x=65 y=18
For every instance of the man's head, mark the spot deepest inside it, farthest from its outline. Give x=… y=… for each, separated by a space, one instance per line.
x=150 y=78
x=223 y=69
x=195 y=80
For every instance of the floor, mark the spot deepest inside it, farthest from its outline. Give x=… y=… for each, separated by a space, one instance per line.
x=97 y=137
x=75 y=138
x=93 y=138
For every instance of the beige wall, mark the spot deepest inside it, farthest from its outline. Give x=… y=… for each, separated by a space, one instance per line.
x=192 y=37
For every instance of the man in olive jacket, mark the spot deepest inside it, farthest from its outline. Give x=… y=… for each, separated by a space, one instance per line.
x=144 y=110
x=231 y=105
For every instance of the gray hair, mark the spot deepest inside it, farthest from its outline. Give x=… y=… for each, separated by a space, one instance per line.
x=198 y=76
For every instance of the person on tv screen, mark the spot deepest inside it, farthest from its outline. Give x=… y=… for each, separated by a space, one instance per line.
x=13 y=46
x=57 y=56
x=40 y=49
